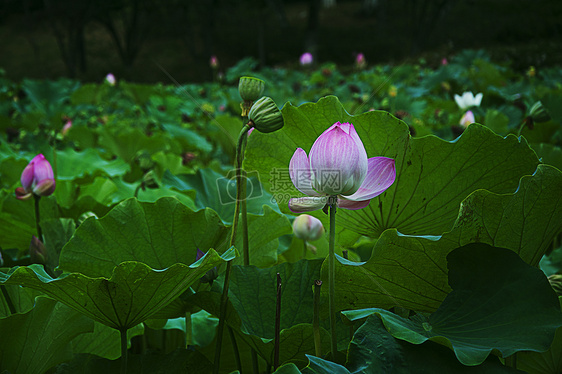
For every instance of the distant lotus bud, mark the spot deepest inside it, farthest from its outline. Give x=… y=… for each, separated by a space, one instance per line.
x=66 y=127
x=148 y=181
x=531 y=72
x=444 y=61
x=265 y=115
x=214 y=62
x=467 y=119
x=306 y=59
x=110 y=78
x=37 y=251
x=307 y=227
x=251 y=88
x=360 y=61
x=539 y=113
x=37 y=178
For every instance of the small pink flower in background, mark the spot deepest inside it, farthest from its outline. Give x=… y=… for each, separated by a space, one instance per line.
x=66 y=127
x=360 y=61
x=444 y=61
x=306 y=59
x=110 y=78
x=467 y=119
x=468 y=100
x=214 y=62
x=338 y=165
x=308 y=228
x=37 y=178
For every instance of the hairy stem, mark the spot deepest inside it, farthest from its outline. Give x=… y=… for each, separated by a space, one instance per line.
x=38 y=218
x=332 y=275
x=316 y=318
x=277 y=325
x=123 y=333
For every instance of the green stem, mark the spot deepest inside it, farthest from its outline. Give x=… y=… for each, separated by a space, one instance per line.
x=277 y=325
x=332 y=202
x=188 y=330
x=316 y=318
x=235 y=349
x=38 y=218
x=123 y=333
x=8 y=299
x=305 y=249
x=136 y=195
x=224 y=296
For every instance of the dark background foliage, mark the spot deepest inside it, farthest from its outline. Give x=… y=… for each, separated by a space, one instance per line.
x=131 y=38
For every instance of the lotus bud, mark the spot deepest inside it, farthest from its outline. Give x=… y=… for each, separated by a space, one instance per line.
x=538 y=113
x=265 y=116
x=148 y=181
x=306 y=59
x=251 y=88
x=307 y=227
x=66 y=128
x=110 y=79
x=37 y=251
x=214 y=62
x=37 y=178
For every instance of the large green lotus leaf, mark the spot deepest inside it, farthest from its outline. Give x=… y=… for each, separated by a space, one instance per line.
x=127 y=190
x=411 y=271
x=498 y=304
x=72 y=165
x=433 y=175
x=253 y=295
x=104 y=341
x=218 y=192
x=132 y=294
x=263 y=233
x=178 y=361
x=288 y=369
x=57 y=232
x=374 y=350
x=158 y=234
x=39 y=339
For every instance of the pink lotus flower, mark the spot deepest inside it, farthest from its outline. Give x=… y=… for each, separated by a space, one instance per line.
x=338 y=165
x=66 y=127
x=360 y=61
x=467 y=119
x=308 y=228
x=306 y=59
x=214 y=62
x=36 y=178
x=110 y=78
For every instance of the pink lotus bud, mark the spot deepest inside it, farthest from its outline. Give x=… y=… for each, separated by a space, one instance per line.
x=467 y=119
x=308 y=228
x=360 y=61
x=110 y=78
x=444 y=61
x=37 y=177
x=214 y=62
x=306 y=59
x=66 y=127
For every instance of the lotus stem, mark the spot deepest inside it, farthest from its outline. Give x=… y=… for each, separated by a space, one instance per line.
x=305 y=249
x=188 y=330
x=277 y=325
x=316 y=318
x=38 y=218
x=123 y=332
x=332 y=202
x=224 y=297
x=235 y=349
x=8 y=299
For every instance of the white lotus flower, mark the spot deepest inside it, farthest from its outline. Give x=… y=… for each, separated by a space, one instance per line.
x=468 y=100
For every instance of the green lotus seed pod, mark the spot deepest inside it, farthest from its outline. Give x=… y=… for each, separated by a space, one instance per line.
x=251 y=88
x=538 y=113
x=265 y=115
